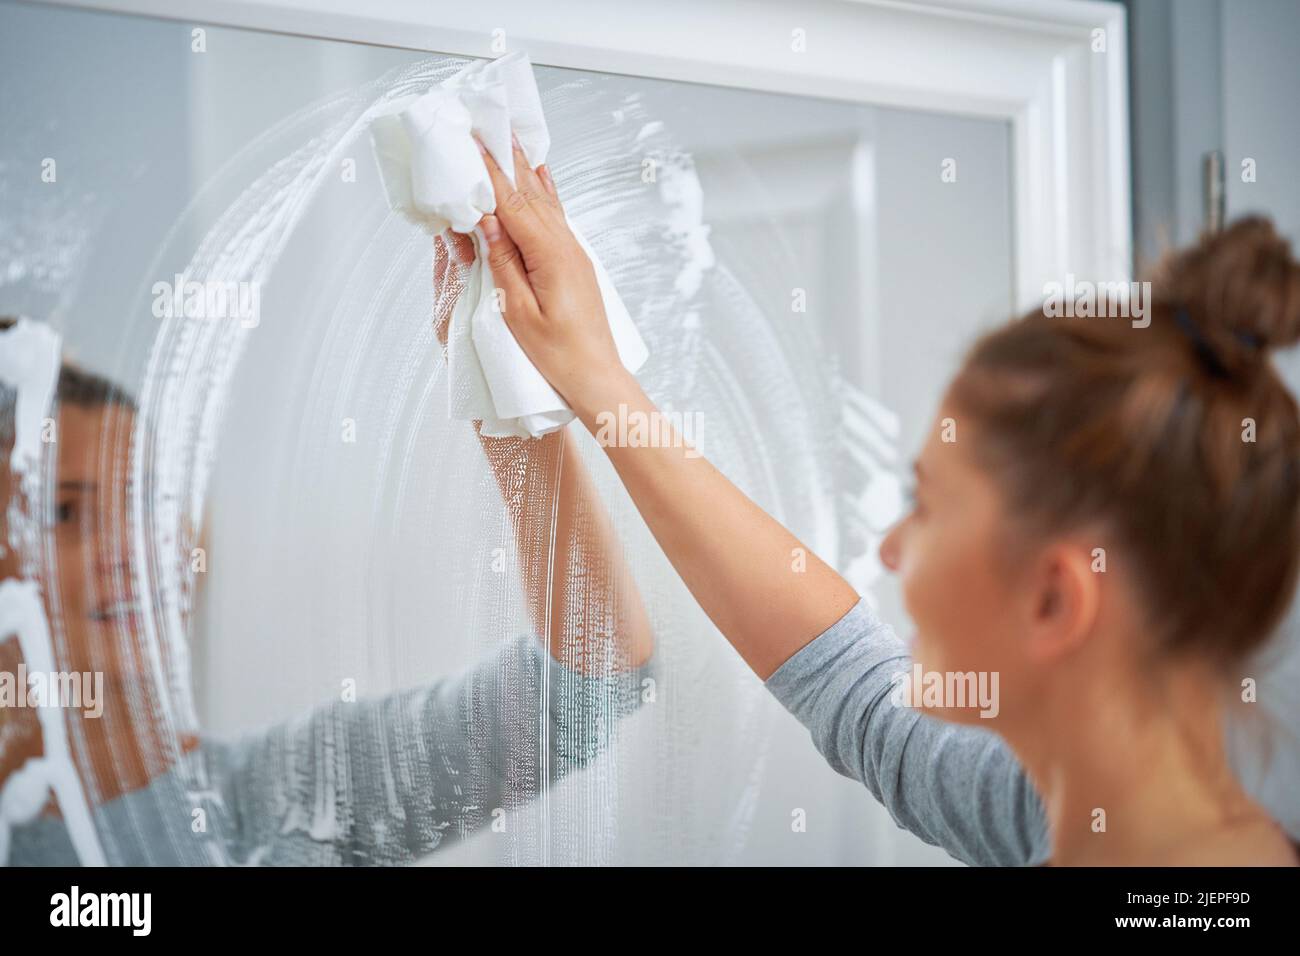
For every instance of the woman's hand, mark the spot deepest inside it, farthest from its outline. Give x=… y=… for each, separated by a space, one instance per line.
x=552 y=301
x=564 y=518
x=738 y=562
x=452 y=254
x=20 y=727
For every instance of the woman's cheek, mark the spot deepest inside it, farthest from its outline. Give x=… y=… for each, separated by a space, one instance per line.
x=943 y=597
x=924 y=598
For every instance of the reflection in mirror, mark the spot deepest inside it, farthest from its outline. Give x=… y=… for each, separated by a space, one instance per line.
x=334 y=626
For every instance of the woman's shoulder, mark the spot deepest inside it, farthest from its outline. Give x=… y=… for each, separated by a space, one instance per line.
x=1254 y=846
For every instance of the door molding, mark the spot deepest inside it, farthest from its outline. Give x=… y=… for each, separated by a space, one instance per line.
x=1032 y=63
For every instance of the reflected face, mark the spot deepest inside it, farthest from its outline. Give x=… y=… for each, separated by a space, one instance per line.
x=962 y=593
x=90 y=599
x=91 y=530
x=86 y=524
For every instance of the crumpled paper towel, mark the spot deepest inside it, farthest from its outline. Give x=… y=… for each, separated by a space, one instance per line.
x=433 y=173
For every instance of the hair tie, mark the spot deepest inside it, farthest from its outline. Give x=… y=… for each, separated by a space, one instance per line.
x=1204 y=350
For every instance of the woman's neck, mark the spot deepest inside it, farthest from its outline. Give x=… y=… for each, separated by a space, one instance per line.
x=1131 y=770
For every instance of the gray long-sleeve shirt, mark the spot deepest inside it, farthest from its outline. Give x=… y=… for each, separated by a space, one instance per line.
x=382 y=781
x=957 y=787
x=407 y=772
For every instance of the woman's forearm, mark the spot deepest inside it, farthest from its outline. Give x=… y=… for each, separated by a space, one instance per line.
x=580 y=594
x=581 y=597
x=764 y=590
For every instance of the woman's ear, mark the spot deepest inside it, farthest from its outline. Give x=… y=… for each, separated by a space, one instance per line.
x=1066 y=600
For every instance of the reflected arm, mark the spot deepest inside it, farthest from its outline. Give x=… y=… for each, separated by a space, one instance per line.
x=762 y=588
x=390 y=779
x=581 y=596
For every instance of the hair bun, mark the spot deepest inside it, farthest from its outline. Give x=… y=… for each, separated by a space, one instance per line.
x=1240 y=286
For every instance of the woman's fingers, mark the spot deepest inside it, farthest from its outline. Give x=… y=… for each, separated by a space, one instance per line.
x=530 y=184
x=527 y=212
x=519 y=217
x=544 y=175
x=441 y=261
x=508 y=272
x=461 y=247
x=451 y=251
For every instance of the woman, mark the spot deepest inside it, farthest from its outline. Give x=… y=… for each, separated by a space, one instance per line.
x=1106 y=518
x=376 y=781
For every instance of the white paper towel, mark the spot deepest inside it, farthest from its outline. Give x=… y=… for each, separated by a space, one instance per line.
x=433 y=172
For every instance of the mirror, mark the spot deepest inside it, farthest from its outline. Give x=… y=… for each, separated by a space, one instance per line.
x=307 y=588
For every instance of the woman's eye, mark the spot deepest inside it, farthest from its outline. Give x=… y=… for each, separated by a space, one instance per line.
x=64 y=512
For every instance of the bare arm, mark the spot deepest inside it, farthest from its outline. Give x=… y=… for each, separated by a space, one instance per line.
x=735 y=558
x=821 y=651
x=581 y=596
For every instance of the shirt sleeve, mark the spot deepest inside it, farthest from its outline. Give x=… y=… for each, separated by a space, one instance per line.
x=388 y=780
x=954 y=786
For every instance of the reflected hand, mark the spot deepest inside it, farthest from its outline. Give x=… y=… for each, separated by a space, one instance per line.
x=452 y=254
x=552 y=302
x=20 y=727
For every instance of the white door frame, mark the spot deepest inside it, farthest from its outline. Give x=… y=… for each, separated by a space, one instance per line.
x=1055 y=70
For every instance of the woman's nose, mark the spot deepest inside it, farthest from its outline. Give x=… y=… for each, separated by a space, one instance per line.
x=889 y=548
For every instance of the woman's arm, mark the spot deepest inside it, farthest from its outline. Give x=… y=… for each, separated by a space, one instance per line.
x=822 y=652
x=957 y=787
x=738 y=561
x=391 y=779
x=577 y=585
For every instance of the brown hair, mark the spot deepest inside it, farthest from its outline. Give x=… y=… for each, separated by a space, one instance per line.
x=1179 y=441
x=76 y=386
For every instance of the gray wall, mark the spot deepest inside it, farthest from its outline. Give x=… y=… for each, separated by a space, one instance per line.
x=1222 y=74
x=1213 y=74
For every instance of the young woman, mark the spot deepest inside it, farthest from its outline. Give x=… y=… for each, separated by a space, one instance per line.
x=1106 y=517
x=378 y=781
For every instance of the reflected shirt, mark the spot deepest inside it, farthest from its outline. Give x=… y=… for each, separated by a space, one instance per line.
x=372 y=782
x=955 y=786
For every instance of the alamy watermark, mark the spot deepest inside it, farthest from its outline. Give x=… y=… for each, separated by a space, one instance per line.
x=133 y=911
x=1075 y=298
x=71 y=689
x=208 y=299
x=934 y=690
x=633 y=428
